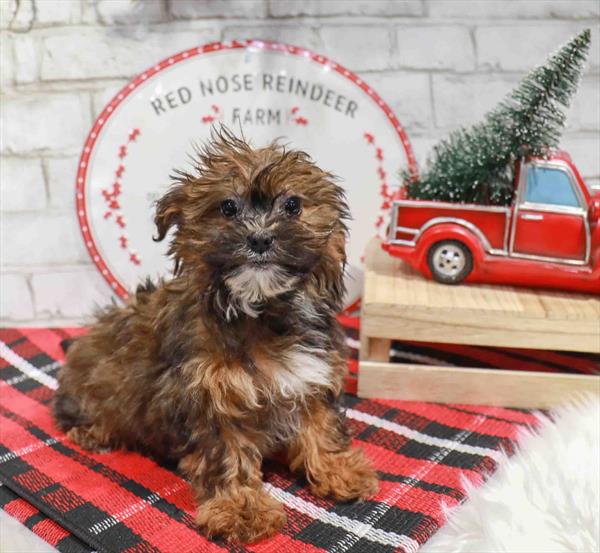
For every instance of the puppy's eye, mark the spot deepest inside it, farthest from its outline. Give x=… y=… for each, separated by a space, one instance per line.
x=229 y=208
x=293 y=205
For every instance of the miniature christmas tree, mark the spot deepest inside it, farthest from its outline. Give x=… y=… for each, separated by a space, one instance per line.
x=475 y=165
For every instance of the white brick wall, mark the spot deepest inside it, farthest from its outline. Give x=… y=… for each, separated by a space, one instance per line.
x=435 y=47
x=43 y=122
x=372 y=51
x=283 y=8
x=438 y=63
x=103 y=53
x=22 y=185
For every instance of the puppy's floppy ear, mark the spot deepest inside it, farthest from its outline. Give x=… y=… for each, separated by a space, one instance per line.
x=169 y=211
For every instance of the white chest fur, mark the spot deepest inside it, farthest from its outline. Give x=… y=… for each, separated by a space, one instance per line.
x=300 y=371
x=250 y=287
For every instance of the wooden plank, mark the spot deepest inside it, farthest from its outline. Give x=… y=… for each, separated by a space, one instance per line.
x=399 y=303
x=416 y=291
x=379 y=349
x=383 y=270
x=482 y=329
x=523 y=389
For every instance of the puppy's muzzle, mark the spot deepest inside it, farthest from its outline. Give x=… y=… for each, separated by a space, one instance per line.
x=259 y=243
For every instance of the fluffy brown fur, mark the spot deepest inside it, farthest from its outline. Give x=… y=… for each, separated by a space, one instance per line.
x=240 y=354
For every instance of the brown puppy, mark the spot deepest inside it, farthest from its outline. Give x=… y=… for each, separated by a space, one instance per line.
x=240 y=354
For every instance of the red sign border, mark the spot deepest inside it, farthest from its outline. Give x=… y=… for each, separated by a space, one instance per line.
x=110 y=109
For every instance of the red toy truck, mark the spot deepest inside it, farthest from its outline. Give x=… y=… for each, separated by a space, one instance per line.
x=549 y=237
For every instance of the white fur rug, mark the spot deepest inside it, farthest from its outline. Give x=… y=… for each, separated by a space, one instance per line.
x=544 y=499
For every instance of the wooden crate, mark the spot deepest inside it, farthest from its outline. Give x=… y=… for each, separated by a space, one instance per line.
x=398 y=303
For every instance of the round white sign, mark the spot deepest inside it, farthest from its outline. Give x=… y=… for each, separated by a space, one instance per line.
x=262 y=89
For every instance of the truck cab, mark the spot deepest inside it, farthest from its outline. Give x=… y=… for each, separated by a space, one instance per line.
x=548 y=237
x=551 y=214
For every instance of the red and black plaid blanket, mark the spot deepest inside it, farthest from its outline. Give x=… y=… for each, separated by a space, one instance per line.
x=123 y=502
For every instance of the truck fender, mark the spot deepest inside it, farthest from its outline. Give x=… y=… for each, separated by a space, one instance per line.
x=448 y=231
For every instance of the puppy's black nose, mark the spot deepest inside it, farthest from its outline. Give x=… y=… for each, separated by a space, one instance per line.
x=259 y=243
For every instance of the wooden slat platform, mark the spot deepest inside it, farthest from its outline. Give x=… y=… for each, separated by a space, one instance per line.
x=398 y=303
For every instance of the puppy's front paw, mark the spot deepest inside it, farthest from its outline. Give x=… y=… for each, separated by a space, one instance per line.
x=89 y=438
x=344 y=476
x=244 y=515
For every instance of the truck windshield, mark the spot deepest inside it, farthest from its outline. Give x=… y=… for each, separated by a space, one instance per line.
x=550 y=186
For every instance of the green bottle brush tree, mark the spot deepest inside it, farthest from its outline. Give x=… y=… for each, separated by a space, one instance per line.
x=476 y=164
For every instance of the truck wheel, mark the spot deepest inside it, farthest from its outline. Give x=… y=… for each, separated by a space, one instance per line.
x=450 y=261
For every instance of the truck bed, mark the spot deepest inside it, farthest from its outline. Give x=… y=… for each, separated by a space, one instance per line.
x=410 y=218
